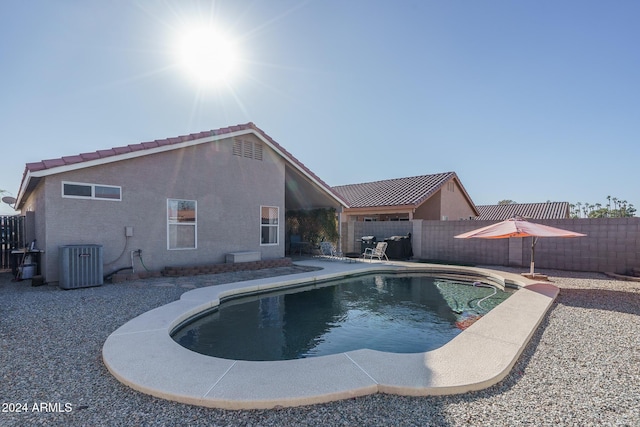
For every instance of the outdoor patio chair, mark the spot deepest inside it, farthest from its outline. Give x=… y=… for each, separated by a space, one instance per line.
x=327 y=249
x=378 y=252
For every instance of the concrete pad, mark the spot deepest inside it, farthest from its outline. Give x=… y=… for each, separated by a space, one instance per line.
x=163 y=318
x=259 y=385
x=523 y=314
x=394 y=372
x=151 y=362
x=471 y=363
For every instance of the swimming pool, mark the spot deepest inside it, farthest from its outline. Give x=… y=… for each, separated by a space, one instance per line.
x=142 y=354
x=383 y=312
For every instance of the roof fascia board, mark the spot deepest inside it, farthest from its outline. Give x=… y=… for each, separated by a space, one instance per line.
x=466 y=195
x=23 y=189
x=380 y=210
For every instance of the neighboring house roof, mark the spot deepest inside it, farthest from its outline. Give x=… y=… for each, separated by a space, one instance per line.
x=548 y=210
x=34 y=171
x=410 y=191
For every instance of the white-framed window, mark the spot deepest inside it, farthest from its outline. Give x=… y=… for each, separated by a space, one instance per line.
x=182 y=224
x=269 y=225
x=81 y=190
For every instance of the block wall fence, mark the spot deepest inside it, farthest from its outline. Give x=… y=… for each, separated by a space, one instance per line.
x=611 y=244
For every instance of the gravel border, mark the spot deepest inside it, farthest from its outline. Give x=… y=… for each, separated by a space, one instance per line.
x=582 y=366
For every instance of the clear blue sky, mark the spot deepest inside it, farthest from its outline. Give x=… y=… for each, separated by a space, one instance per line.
x=524 y=100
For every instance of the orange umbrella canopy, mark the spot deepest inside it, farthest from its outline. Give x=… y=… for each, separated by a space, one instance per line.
x=517 y=227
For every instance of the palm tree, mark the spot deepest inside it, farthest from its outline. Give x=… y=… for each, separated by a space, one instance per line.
x=623 y=208
x=577 y=209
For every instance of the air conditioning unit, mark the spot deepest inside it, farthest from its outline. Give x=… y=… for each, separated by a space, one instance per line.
x=80 y=266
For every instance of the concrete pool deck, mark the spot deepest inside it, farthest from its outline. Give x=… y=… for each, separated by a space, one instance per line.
x=142 y=355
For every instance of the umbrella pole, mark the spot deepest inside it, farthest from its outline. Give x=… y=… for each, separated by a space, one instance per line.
x=533 y=250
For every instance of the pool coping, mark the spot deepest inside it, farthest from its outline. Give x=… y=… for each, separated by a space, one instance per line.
x=142 y=355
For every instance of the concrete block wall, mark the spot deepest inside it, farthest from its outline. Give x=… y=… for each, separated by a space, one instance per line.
x=439 y=244
x=611 y=244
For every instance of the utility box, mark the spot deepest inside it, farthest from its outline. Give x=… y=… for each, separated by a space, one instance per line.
x=80 y=266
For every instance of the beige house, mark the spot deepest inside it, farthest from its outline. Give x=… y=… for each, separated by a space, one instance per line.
x=431 y=197
x=181 y=201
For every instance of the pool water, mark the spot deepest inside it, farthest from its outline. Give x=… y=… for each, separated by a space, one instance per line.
x=399 y=314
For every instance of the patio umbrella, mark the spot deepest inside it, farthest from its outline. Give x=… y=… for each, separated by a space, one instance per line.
x=518 y=227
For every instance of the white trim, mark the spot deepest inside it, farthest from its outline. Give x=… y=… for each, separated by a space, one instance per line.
x=93 y=191
x=276 y=226
x=194 y=225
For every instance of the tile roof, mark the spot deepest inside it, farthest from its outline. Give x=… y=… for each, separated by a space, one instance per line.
x=104 y=154
x=112 y=154
x=549 y=210
x=393 y=192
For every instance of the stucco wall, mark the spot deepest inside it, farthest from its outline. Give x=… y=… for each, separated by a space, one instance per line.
x=36 y=206
x=451 y=204
x=431 y=209
x=229 y=191
x=454 y=205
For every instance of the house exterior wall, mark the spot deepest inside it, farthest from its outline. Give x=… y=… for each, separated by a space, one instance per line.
x=451 y=204
x=431 y=209
x=37 y=207
x=454 y=204
x=229 y=191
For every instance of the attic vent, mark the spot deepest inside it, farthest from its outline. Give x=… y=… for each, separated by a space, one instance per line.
x=247 y=149
x=257 y=151
x=237 y=148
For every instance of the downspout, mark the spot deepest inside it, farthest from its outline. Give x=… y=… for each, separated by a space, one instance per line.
x=340 y=230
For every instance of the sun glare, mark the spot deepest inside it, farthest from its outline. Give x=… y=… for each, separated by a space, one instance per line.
x=209 y=57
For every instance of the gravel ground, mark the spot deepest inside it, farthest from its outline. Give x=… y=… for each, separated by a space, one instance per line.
x=582 y=366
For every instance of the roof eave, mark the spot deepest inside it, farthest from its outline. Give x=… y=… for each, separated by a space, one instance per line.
x=379 y=209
